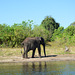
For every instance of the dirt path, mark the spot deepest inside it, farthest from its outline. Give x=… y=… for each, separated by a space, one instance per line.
x=66 y=57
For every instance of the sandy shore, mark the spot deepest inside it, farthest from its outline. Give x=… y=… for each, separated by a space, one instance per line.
x=65 y=57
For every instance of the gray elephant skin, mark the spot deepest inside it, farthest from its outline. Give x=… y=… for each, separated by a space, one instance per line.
x=31 y=44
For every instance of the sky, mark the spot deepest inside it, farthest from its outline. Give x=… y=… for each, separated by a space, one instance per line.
x=16 y=11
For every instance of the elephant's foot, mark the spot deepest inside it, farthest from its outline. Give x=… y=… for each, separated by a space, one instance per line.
x=39 y=56
x=26 y=58
x=23 y=56
x=32 y=56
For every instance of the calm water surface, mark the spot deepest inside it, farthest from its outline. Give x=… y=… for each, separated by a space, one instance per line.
x=38 y=68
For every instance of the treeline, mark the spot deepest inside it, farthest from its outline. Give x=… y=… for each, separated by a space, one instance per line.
x=12 y=36
x=64 y=36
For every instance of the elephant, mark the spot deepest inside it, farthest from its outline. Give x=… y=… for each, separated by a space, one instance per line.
x=31 y=44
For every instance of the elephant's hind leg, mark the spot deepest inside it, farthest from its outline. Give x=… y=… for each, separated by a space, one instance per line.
x=24 y=53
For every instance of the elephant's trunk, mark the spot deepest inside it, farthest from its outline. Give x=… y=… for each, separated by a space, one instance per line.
x=44 y=49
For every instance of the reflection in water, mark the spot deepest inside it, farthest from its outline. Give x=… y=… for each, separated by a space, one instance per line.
x=49 y=68
x=41 y=68
x=34 y=67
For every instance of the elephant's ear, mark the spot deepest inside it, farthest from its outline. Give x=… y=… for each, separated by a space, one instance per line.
x=42 y=39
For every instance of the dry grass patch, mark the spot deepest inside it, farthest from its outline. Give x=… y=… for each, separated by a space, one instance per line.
x=52 y=48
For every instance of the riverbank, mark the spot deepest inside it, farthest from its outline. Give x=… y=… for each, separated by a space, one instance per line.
x=62 y=57
x=54 y=52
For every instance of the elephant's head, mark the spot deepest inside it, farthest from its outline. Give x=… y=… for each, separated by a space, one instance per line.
x=43 y=43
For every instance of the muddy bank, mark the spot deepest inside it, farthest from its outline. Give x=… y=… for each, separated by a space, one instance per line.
x=66 y=57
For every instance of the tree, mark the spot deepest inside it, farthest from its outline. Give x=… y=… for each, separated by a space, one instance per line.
x=40 y=31
x=12 y=36
x=58 y=33
x=21 y=31
x=64 y=36
x=70 y=30
x=49 y=24
x=72 y=24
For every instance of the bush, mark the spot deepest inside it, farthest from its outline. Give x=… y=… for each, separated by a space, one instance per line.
x=64 y=36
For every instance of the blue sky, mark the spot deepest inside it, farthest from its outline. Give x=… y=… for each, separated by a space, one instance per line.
x=16 y=11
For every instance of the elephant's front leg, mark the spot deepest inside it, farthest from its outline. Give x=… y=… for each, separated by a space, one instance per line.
x=39 y=51
x=33 y=53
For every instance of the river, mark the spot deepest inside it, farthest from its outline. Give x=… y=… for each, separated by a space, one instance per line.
x=38 y=68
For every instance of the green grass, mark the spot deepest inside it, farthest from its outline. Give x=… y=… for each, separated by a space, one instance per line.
x=52 y=48
x=10 y=52
x=55 y=48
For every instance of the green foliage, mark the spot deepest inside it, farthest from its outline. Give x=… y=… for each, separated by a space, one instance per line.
x=12 y=36
x=49 y=24
x=57 y=33
x=64 y=36
x=40 y=31
x=72 y=24
x=70 y=30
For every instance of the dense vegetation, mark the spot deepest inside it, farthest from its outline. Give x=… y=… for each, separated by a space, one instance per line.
x=12 y=36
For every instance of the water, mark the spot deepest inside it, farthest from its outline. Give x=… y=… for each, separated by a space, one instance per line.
x=38 y=68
